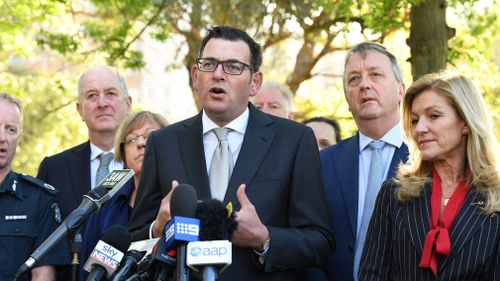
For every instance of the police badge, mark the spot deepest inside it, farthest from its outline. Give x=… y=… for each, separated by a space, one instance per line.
x=57 y=212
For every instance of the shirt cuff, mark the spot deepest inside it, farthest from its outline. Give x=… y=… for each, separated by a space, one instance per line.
x=151 y=229
x=265 y=248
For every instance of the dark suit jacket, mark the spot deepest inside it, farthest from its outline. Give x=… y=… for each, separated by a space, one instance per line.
x=340 y=164
x=278 y=161
x=397 y=233
x=68 y=171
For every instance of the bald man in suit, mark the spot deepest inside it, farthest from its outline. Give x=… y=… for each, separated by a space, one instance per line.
x=103 y=103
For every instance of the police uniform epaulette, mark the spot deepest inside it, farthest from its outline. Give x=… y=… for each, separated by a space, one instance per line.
x=45 y=186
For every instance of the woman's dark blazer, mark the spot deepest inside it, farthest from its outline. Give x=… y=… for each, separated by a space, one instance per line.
x=397 y=233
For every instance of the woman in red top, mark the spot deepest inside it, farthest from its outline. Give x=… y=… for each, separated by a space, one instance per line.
x=439 y=219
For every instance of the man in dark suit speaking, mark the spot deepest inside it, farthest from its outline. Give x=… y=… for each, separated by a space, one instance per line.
x=271 y=171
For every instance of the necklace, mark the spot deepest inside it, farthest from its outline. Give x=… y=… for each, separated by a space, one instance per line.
x=445 y=199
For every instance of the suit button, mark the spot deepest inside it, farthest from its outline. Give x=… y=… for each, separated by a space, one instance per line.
x=350 y=249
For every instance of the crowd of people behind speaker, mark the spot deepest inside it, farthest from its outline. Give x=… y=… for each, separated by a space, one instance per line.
x=291 y=202
x=277 y=99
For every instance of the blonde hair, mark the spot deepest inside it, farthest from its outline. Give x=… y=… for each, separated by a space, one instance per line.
x=482 y=146
x=131 y=123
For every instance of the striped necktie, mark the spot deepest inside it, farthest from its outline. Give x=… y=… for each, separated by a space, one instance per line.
x=105 y=159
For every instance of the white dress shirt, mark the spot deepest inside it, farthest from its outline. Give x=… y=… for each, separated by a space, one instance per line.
x=94 y=163
x=235 y=136
x=393 y=138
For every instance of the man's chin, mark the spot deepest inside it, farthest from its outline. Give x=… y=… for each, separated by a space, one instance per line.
x=106 y=128
x=370 y=112
x=4 y=164
x=215 y=108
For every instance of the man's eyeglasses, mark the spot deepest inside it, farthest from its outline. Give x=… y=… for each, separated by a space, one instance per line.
x=231 y=67
x=134 y=139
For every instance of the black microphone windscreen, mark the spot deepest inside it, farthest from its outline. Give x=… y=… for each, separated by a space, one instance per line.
x=215 y=221
x=118 y=237
x=183 y=201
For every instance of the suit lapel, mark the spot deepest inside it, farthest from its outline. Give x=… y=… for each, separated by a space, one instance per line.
x=416 y=218
x=193 y=156
x=468 y=222
x=257 y=141
x=400 y=155
x=347 y=167
x=79 y=167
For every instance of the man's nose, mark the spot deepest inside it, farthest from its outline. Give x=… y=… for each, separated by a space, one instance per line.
x=219 y=72
x=3 y=134
x=102 y=101
x=365 y=82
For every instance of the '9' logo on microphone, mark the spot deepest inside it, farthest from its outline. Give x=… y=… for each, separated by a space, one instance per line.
x=182 y=229
x=187 y=228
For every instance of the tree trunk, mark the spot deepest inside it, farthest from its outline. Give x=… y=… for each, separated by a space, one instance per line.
x=429 y=36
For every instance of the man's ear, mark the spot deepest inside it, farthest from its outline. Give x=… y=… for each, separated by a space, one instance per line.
x=79 y=109
x=402 y=90
x=194 y=77
x=256 y=82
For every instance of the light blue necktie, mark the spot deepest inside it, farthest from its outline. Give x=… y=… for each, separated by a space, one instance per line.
x=375 y=177
x=221 y=166
x=103 y=170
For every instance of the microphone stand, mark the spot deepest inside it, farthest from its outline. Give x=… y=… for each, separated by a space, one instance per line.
x=209 y=273
x=76 y=246
x=182 y=273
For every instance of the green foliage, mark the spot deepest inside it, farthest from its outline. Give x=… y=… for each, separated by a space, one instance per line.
x=44 y=43
x=383 y=16
x=472 y=50
x=50 y=123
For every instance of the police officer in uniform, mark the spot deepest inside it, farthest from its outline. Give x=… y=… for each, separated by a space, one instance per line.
x=29 y=212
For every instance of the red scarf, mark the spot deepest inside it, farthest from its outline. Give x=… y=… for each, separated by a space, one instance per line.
x=437 y=241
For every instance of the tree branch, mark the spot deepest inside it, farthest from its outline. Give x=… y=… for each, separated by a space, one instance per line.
x=138 y=35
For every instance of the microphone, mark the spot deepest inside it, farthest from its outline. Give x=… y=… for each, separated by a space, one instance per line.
x=128 y=265
x=164 y=259
x=149 y=264
x=91 y=202
x=144 y=269
x=182 y=228
x=217 y=222
x=108 y=253
x=213 y=254
x=146 y=245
